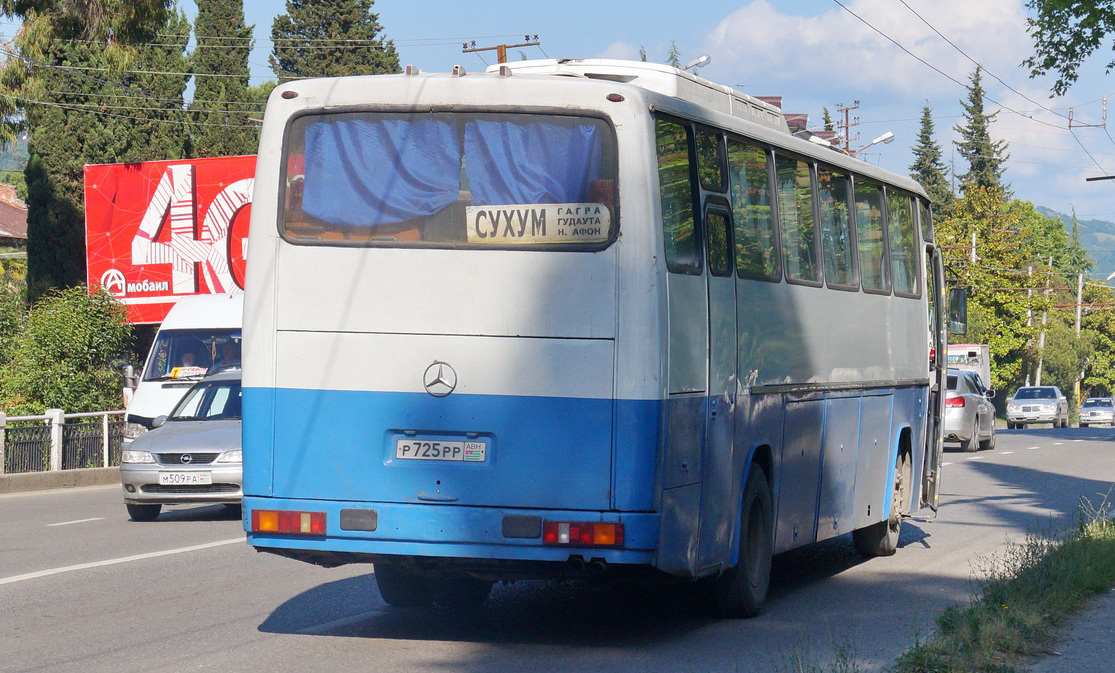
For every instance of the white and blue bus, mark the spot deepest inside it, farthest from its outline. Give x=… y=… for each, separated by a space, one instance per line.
x=581 y=316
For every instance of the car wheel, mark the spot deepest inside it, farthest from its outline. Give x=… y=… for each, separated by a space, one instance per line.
x=989 y=443
x=143 y=512
x=972 y=444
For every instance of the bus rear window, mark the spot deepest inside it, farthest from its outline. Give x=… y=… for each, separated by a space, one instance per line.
x=460 y=179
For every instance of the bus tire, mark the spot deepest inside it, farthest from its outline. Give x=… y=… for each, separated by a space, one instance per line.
x=460 y=593
x=741 y=591
x=401 y=588
x=144 y=512
x=881 y=539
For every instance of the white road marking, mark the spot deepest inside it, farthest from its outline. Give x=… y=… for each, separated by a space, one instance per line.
x=125 y=559
x=974 y=458
x=1057 y=443
x=1032 y=448
x=945 y=464
x=1005 y=453
x=67 y=523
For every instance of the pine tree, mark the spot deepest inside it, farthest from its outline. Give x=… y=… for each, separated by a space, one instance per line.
x=986 y=158
x=222 y=103
x=330 y=38
x=929 y=169
x=674 y=57
x=826 y=117
x=120 y=114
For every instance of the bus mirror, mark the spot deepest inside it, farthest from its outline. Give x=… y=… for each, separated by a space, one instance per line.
x=958 y=311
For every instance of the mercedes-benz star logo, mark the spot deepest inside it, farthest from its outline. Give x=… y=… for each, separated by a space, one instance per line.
x=439 y=379
x=186 y=459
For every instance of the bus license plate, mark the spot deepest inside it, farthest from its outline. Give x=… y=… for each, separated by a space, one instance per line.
x=185 y=478
x=424 y=449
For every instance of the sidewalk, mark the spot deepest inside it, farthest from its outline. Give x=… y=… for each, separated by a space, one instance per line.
x=37 y=481
x=1088 y=644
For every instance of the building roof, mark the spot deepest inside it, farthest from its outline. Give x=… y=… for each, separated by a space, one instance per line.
x=13 y=222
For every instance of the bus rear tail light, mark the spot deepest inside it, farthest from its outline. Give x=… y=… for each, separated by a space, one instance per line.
x=954 y=402
x=288 y=522
x=582 y=534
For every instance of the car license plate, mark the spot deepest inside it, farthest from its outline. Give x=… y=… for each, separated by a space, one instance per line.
x=185 y=478
x=425 y=449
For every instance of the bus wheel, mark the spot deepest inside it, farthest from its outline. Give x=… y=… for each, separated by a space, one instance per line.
x=881 y=539
x=460 y=593
x=741 y=591
x=400 y=587
x=144 y=512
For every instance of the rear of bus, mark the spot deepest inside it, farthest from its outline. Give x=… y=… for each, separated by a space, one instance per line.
x=434 y=379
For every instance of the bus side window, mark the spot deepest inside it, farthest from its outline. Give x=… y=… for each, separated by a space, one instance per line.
x=683 y=250
x=836 y=228
x=756 y=238
x=871 y=236
x=795 y=219
x=718 y=226
x=903 y=244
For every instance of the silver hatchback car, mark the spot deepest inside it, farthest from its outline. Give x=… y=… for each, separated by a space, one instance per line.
x=190 y=457
x=969 y=414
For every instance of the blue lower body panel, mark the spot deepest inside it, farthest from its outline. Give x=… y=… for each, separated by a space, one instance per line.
x=450 y=531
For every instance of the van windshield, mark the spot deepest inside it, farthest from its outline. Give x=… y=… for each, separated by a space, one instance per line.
x=460 y=179
x=187 y=354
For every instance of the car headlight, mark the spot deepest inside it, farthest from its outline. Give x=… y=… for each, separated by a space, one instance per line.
x=133 y=430
x=1012 y=407
x=1051 y=407
x=136 y=457
x=236 y=456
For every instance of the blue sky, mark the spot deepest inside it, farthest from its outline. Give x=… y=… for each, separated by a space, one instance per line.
x=813 y=53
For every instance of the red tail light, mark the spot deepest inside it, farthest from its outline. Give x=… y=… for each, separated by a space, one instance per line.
x=582 y=533
x=954 y=402
x=288 y=522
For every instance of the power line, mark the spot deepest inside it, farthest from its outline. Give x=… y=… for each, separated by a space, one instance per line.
x=76 y=108
x=935 y=68
x=978 y=64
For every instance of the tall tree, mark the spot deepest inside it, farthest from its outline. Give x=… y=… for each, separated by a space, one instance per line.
x=986 y=158
x=223 y=102
x=103 y=110
x=674 y=57
x=1065 y=34
x=330 y=38
x=929 y=168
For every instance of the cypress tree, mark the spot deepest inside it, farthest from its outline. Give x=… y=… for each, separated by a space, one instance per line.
x=330 y=38
x=986 y=158
x=929 y=169
x=223 y=101
x=115 y=111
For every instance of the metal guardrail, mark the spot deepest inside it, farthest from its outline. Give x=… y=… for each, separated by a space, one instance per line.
x=60 y=441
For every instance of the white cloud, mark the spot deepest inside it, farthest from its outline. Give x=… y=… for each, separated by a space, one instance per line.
x=837 y=51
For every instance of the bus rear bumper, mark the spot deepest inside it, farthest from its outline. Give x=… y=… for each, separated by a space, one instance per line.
x=370 y=531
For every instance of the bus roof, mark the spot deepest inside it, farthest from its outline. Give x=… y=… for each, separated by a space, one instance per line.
x=664 y=79
x=206 y=311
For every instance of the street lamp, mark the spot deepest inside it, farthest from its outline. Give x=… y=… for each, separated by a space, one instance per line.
x=887 y=137
x=699 y=62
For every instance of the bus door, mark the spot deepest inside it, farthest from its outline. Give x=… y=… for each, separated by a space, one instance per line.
x=718 y=506
x=934 y=441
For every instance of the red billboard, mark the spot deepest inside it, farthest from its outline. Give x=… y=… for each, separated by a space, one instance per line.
x=157 y=231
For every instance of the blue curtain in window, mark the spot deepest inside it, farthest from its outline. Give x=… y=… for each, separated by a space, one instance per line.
x=533 y=162
x=362 y=172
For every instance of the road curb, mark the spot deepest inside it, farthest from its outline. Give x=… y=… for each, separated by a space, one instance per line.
x=38 y=481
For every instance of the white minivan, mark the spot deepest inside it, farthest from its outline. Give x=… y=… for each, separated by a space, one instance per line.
x=200 y=335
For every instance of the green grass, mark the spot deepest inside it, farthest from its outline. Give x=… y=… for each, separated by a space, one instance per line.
x=1022 y=597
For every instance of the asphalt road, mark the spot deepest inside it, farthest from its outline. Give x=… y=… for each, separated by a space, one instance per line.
x=83 y=588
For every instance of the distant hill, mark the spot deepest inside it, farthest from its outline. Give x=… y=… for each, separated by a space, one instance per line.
x=1097 y=237
x=14 y=158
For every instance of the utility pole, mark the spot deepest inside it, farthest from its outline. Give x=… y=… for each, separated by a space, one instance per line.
x=1079 y=302
x=500 y=49
x=849 y=122
x=1044 y=315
